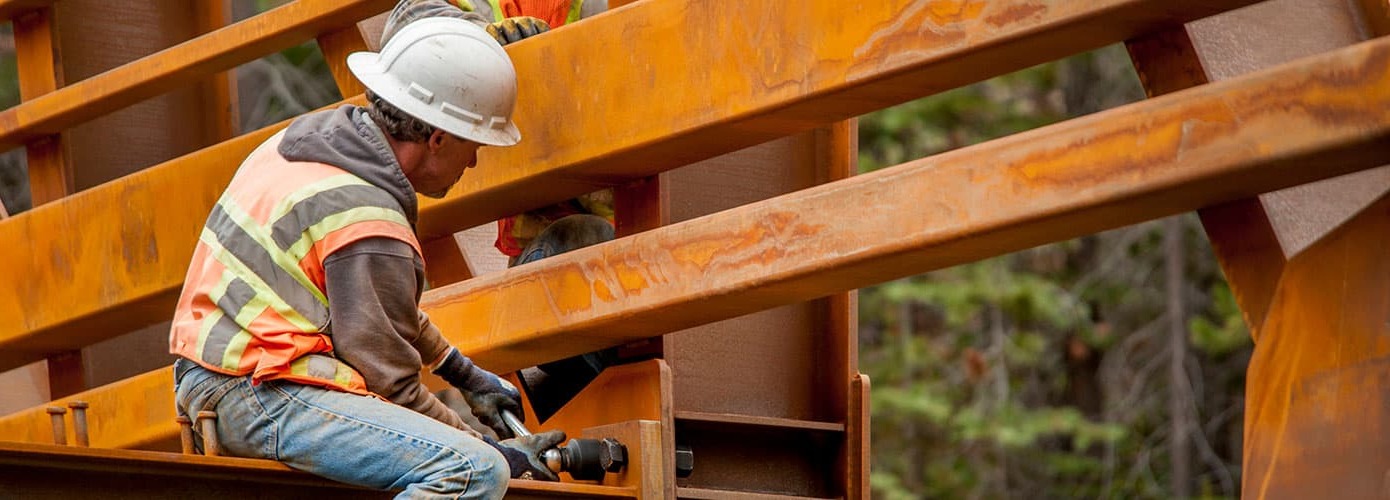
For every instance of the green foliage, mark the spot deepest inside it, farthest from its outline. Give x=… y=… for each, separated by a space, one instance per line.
x=1037 y=374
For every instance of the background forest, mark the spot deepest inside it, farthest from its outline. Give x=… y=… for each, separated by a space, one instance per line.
x=1109 y=366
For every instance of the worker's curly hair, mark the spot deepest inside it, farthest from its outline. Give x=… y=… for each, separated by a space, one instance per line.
x=396 y=123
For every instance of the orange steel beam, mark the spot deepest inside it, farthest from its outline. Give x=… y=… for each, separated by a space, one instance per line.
x=1310 y=120
x=1314 y=119
x=38 y=471
x=180 y=65
x=9 y=9
x=584 y=129
x=691 y=91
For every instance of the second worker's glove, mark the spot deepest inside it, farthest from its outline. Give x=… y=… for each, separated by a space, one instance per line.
x=515 y=29
x=524 y=455
x=486 y=393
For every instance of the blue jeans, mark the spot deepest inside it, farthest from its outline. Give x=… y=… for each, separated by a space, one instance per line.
x=345 y=437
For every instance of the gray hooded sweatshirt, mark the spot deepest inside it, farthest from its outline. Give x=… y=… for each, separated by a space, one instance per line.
x=374 y=285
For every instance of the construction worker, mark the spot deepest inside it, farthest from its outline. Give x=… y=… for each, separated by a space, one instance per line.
x=299 y=320
x=546 y=231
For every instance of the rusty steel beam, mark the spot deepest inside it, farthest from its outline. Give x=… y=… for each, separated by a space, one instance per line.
x=1313 y=119
x=584 y=129
x=180 y=65
x=10 y=9
x=1310 y=120
x=58 y=472
x=699 y=86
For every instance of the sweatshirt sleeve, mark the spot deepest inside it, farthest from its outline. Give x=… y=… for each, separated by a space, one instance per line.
x=374 y=286
x=408 y=11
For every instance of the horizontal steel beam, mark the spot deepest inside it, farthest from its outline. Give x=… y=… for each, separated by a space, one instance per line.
x=180 y=65
x=702 y=92
x=1314 y=119
x=59 y=472
x=10 y=9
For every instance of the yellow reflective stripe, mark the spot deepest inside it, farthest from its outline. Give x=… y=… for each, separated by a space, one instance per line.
x=300 y=366
x=341 y=220
x=232 y=356
x=465 y=5
x=263 y=291
x=312 y=189
x=261 y=235
x=343 y=376
x=496 y=11
x=575 y=5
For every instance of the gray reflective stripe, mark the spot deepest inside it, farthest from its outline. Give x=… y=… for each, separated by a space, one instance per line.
x=323 y=367
x=222 y=333
x=259 y=261
x=290 y=228
x=238 y=294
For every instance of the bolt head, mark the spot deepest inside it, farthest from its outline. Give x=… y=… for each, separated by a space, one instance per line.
x=78 y=405
x=612 y=455
x=56 y=410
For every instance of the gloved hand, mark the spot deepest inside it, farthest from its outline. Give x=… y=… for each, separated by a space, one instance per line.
x=524 y=455
x=515 y=29
x=486 y=393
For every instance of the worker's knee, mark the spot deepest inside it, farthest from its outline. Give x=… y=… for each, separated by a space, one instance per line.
x=577 y=231
x=479 y=465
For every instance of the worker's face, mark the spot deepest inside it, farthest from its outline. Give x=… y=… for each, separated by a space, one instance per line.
x=448 y=156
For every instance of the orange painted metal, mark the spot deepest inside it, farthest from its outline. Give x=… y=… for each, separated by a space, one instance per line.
x=180 y=65
x=137 y=412
x=1323 y=117
x=42 y=472
x=688 y=92
x=10 y=9
x=115 y=271
x=1219 y=142
x=1317 y=420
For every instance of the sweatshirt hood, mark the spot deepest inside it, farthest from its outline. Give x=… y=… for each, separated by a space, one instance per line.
x=346 y=138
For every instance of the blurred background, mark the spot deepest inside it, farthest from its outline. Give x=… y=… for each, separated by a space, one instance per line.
x=1110 y=366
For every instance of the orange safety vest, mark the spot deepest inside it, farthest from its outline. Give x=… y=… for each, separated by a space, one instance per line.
x=556 y=13
x=254 y=301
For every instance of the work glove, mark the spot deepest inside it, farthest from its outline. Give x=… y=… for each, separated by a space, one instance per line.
x=524 y=454
x=486 y=393
x=453 y=398
x=515 y=29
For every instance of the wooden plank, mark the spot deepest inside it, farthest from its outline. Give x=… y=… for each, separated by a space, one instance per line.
x=713 y=494
x=180 y=65
x=117 y=273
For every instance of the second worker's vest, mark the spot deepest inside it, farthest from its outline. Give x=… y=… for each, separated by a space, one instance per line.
x=556 y=13
x=254 y=301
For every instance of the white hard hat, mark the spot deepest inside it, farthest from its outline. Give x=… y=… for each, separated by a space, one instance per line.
x=449 y=73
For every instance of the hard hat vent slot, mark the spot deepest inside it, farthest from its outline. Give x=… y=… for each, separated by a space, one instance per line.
x=462 y=114
x=421 y=93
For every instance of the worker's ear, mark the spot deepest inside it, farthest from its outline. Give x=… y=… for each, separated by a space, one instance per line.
x=436 y=140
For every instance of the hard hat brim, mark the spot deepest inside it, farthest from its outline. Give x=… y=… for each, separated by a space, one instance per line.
x=367 y=67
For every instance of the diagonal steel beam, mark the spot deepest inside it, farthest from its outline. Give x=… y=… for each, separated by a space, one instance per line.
x=698 y=86
x=1310 y=120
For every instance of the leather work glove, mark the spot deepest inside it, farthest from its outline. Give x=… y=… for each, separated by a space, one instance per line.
x=453 y=398
x=486 y=393
x=515 y=29
x=524 y=455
